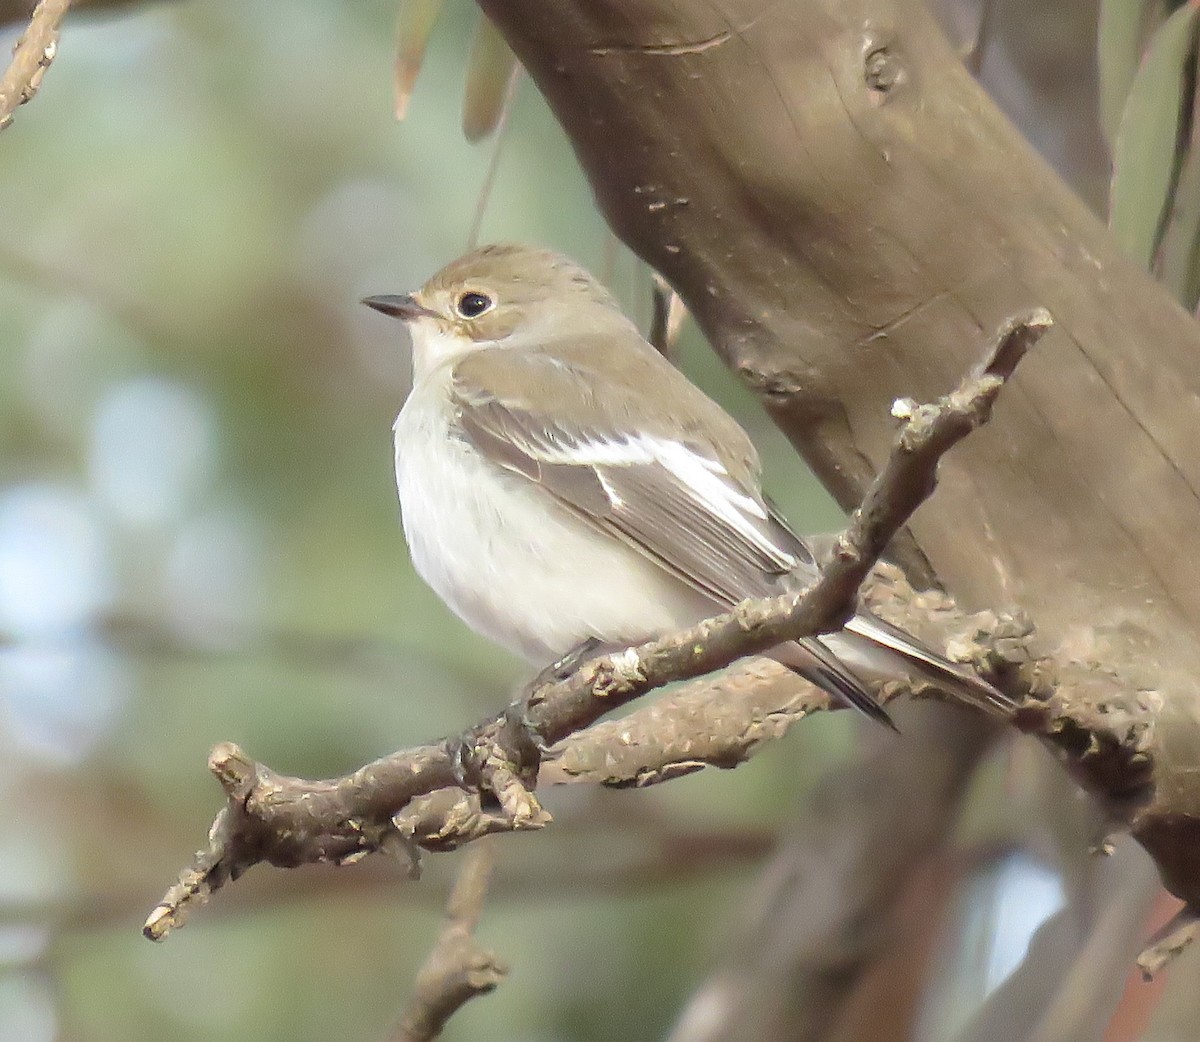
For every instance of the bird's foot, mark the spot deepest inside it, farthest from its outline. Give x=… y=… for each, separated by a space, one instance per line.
x=519 y=723
x=568 y=664
x=524 y=741
x=499 y=764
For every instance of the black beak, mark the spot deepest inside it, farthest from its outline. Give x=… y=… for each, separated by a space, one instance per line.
x=401 y=306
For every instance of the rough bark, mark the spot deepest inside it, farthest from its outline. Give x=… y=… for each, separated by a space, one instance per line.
x=842 y=209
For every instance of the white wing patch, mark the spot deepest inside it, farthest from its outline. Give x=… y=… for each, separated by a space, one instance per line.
x=704 y=478
x=615 y=499
x=708 y=480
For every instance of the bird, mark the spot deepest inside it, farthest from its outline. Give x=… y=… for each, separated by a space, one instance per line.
x=564 y=488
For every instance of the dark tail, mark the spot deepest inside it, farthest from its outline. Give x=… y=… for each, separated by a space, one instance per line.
x=947 y=676
x=810 y=659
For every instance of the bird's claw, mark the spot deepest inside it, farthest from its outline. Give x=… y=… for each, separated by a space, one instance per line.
x=558 y=671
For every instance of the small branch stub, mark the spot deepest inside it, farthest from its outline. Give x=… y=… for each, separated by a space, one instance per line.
x=1167 y=943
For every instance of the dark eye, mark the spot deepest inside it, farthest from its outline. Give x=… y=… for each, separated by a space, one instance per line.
x=472 y=305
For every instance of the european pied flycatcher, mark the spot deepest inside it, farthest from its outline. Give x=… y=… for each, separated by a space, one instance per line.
x=563 y=486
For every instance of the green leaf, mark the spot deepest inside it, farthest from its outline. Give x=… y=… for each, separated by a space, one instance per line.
x=490 y=68
x=1125 y=26
x=1147 y=155
x=1179 y=254
x=416 y=22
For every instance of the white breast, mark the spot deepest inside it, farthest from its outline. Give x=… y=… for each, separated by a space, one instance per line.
x=509 y=560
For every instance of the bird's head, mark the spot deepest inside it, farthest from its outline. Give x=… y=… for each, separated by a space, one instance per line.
x=498 y=296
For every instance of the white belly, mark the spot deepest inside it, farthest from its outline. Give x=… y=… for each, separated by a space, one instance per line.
x=513 y=564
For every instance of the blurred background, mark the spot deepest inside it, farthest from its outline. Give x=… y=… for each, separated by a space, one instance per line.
x=199 y=541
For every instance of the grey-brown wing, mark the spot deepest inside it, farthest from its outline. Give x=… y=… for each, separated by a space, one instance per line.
x=674 y=500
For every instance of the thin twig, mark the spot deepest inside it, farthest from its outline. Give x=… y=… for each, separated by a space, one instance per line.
x=32 y=55
x=611 y=251
x=493 y=167
x=1169 y=942
x=977 y=49
x=457 y=969
x=290 y=821
x=666 y=317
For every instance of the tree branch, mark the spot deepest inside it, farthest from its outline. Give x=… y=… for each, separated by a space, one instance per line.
x=723 y=720
x=1175 y=937
x=32 y=55
x=457 y=969
x=16 y=10
x=385 y=806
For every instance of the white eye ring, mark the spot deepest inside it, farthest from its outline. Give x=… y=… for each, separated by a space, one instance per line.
x=472 y=304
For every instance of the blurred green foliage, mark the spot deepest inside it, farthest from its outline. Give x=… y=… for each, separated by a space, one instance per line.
x=1148 y=55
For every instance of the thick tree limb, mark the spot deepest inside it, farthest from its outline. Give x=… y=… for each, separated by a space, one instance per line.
x=288 y=821
x=884 y=209
x=32 y=55
x=837 y=203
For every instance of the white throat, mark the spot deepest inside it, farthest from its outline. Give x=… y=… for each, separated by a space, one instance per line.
x=433 y=347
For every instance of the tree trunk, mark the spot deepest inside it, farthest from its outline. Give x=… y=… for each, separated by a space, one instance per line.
x=847 y=214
